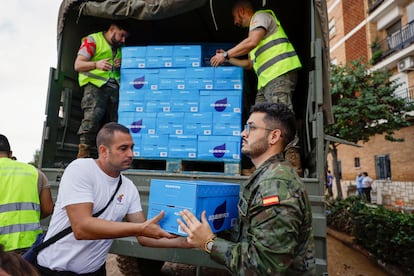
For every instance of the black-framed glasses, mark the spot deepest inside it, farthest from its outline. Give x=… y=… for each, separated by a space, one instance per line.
x=249 y=127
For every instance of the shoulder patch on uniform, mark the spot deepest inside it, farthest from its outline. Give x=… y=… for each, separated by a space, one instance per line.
x=271 y=200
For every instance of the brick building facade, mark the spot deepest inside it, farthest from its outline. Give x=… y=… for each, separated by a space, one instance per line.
x=380 y=32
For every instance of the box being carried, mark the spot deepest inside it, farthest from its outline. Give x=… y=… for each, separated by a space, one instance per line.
x=218 y=199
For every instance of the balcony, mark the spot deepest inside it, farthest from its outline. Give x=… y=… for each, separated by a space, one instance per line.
x=407 y=94
x=396 y=42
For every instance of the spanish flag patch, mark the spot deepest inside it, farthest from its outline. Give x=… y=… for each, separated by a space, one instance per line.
x=271 y=200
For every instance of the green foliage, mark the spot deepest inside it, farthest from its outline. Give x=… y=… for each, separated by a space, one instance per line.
x=376 y=52
x=364 y=104
x=386 y=234
x=338 y=214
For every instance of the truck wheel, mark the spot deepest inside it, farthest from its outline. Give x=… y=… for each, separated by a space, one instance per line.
x=137 y=266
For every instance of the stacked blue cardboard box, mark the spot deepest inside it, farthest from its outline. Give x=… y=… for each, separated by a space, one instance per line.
x=177 y=108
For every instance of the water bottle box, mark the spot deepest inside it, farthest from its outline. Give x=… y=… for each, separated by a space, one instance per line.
x=223 y=148
x=218 y=199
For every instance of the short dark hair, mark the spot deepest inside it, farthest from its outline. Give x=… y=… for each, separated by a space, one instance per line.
x=244 y=4
x=121 y=24
x=106 y=133
x=4 y=144
x=278 y=115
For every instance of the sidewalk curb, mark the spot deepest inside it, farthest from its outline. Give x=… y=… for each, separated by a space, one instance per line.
x=350 y=242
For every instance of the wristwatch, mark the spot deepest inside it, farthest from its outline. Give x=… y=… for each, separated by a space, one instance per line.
x=226 y=55
x=209 y=245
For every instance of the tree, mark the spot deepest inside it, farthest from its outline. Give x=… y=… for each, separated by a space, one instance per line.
x=364 y=104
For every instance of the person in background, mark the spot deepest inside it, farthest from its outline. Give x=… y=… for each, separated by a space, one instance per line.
x=98 y=63
x=273 y=235
x=366 y=186
x=271 y=55
x=358 y=181
x=329 y=182
x=25 y=199
x=13 y=264
x=85 y=188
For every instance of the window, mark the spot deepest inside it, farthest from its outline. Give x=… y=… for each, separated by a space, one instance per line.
x=383 y=166
x=332 y=28
x=357 y=162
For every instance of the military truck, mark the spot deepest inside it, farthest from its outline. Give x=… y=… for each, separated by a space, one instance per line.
x=192 y=22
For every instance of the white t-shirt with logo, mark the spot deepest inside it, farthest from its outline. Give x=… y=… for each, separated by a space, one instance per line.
x=83 y=182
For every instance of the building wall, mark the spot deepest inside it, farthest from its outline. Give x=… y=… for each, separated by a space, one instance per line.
x=356 y=46
x=352 y=42
x=401 y=156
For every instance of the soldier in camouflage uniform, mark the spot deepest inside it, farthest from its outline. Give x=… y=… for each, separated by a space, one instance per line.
x=274 y=232
x=98 y=63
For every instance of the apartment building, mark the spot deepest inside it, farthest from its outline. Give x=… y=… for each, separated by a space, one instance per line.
x=380 y=32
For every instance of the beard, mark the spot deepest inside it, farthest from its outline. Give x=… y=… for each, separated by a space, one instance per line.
x=255 y=149
x=115 y=43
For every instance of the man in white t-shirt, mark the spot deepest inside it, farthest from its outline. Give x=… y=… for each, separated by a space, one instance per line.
x=86 y=187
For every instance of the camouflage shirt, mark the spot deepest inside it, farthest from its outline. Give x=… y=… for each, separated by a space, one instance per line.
x=274 y=232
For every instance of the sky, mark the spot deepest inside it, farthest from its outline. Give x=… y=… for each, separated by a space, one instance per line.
x=28 y=44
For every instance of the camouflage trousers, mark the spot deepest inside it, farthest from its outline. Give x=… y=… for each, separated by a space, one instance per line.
x=279 y=90
x=100 y=106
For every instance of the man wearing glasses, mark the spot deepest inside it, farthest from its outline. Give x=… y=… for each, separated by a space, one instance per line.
x=274 y=231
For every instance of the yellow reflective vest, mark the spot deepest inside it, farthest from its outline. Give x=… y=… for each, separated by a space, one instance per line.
x=103 y=50
x=19 y=204
x=274 y=55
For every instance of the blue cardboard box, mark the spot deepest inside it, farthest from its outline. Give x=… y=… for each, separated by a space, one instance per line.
x=138 y=122
x=200 y=73
x=172 y=73
x=168 y=83
x=158 y=62
x=139 y=79
x=227 y=123
x=193 y=83
x=137 y=144
x=133 y=51
x=131 y=94
x=185 y=62
x=182 y=146
x=133 y=62
x=234 y=84
x=159 y=50
x=228 y=72
x=187 y=50
x=185 y=100
x=158 y=101
x=218 y=199
x=219 y=148
x=154 y=145
x=131 y=105
x=220 y=101
x=170 y=123
x=200 y=123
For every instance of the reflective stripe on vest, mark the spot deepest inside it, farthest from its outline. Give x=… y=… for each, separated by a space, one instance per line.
x=273 y=56
x=19 y=204
x=103 y=51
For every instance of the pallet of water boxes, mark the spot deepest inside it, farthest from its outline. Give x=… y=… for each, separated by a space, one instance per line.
x=178 y=109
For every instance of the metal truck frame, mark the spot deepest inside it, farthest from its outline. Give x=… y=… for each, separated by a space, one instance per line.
x=192 y=22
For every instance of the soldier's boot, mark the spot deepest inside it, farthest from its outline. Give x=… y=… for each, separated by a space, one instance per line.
x=84 y=151
x=293 y=157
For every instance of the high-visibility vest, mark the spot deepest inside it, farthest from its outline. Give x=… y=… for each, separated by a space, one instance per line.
x=19 y=204
x=274 y=55
x=103 y=50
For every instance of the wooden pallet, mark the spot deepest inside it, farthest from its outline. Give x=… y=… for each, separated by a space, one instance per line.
x=188 y=166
